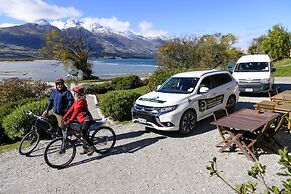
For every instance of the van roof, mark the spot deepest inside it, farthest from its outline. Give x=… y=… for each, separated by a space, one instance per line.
x=195 y=73
x=254 y=58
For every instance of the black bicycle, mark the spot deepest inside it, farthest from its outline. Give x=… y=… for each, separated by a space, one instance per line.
x=61 y=151
x=30 y=141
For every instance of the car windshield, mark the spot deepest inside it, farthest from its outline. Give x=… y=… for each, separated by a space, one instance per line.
x=183 y=85
x=252 y=67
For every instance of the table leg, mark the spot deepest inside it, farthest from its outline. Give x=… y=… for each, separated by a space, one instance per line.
x=246 y=151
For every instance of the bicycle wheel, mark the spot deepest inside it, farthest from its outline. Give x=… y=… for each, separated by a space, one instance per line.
x=58 y=156
x=28 y=143
x=103 y=139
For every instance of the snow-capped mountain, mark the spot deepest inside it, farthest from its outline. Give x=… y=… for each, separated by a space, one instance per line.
x=28 y=38
x=41 y=22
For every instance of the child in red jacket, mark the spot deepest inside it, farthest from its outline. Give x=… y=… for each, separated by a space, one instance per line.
x=79 y=110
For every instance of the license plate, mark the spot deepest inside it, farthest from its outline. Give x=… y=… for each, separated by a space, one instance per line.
x=249 y=89
x=141 y=120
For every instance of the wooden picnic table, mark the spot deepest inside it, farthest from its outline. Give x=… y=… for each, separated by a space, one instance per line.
x=283 y=96
x=245 y=120
x=279 y=107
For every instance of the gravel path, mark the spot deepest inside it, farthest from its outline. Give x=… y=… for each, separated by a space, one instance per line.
x=141 y=162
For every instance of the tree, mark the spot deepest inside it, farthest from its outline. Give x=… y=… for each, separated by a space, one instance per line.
x=277 y=43
x=257 y=46
x=69 y=49
x=208 y=51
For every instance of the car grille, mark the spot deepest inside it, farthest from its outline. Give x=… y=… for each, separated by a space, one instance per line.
x=254 y=81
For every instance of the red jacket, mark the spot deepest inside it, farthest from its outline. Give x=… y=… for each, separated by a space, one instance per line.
x=78 y=110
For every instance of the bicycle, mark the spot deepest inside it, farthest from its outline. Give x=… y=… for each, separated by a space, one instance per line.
x=61 y=151
x=30 y=141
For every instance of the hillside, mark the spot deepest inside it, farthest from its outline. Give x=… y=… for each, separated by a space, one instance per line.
x=25 y=40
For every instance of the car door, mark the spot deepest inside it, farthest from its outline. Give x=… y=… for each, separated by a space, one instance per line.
x=202 y=98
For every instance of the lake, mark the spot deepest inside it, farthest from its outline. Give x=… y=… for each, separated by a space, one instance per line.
x=48 y=70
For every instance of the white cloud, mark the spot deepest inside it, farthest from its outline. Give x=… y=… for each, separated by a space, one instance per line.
x=112 y=22
x=31 y=10
x=4 y=25
x=146 y=29
x=58 y=23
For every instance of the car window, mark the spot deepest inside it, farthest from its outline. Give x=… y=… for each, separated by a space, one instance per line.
x=206 y=83
x=182 y=85
x=220 y=79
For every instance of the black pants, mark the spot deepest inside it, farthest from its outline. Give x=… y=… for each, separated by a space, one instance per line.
x=85 y=134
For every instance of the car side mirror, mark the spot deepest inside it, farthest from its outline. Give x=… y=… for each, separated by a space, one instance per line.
x=158 y=87
x=203 y=90
x=273 y=69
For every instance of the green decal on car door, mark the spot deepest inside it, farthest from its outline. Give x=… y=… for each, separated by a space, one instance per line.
x=205 y=104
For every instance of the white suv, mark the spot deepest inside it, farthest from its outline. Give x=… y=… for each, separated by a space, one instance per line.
x=186 y=98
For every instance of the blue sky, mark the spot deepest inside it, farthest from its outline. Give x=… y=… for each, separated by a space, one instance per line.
x=246 y=19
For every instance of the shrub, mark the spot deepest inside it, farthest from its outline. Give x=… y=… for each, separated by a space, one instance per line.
x=126 y=82
x=17 y=123
x=7 y=109
x=15 y=89
x=117 y=104
x=161 y=76
x=100 y=88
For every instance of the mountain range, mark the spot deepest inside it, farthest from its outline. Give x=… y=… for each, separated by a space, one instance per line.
x=24 y=41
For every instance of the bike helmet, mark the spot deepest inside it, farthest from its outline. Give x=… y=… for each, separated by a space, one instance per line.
x=59 y=80
x=78 y=89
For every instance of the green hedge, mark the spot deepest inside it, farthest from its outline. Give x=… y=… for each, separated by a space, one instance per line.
x=16 y=124
x=119 y=83
x=100 y=88
x=7 y=108
x=118 y=104
x=126 y=82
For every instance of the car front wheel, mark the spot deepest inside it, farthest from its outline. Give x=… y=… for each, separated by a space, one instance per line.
x=187 y=122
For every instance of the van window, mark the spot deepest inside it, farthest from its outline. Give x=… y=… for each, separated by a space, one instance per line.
x=182 y=85
x=252 y=67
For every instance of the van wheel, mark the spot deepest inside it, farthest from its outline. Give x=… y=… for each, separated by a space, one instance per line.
x=187 y=122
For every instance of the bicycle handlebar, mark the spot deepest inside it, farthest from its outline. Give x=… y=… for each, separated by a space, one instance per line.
x=31 y=114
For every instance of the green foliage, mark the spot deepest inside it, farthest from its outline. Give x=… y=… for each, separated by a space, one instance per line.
x=258 y=171
x=7 y=109
x=17 y=123
x=15 y=89
x=257 y=45
x=161 y=75
x=207 y=51
x=126 y=82
x=118 y=104
x=277 y=43
x=119 y=83
x=100 y=88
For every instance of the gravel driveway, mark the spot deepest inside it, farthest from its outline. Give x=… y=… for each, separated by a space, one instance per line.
x=141 y=162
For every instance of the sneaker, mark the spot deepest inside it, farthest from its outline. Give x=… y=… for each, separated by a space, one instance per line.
x=91 y=151
x=85 y=151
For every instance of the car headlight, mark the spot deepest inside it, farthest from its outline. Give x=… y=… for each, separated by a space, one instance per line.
x=167 y=109
x=265 y=81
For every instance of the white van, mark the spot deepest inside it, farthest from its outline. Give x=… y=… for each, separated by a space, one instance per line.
x=254 y=73
x=186 y=98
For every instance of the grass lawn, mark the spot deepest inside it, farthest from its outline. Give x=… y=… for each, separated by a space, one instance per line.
x=283 y=68
x=4 y=148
